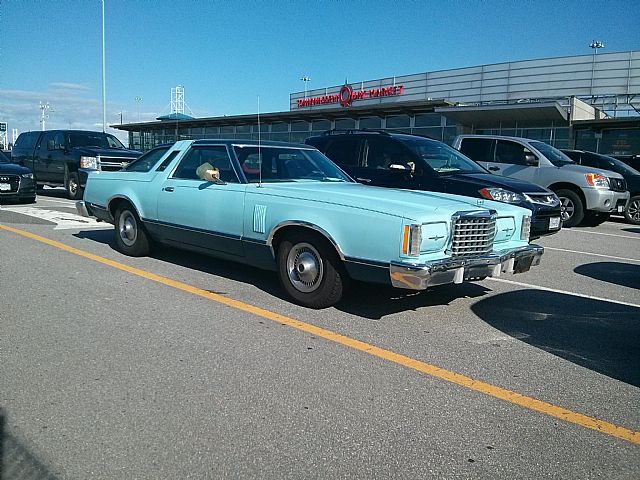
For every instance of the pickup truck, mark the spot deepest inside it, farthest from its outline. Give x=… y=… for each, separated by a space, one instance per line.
x=63 y=157
x=587 y=195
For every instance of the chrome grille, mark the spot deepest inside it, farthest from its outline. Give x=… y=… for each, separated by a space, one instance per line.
x=111 y=164
x=12 y=180
x=473 y=234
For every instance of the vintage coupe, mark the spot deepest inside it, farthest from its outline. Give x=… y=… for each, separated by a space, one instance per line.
x=288 y=208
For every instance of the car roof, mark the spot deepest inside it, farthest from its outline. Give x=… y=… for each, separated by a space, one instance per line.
x=385 y=133
x=248 y=142
x=500 y=137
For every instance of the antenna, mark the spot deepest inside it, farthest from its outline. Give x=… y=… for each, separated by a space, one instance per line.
x=259 y=149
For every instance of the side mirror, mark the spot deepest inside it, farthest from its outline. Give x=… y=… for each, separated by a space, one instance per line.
x=531 y=160
x=399 y=167
x=213 y=175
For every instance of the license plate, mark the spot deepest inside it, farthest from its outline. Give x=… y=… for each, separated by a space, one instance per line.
x=620 y=208
x=5 y=187
x=554 y=223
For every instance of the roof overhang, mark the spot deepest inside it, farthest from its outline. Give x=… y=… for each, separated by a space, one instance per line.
x=490 y=115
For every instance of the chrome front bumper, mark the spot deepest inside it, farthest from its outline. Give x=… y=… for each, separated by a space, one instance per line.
x=82 y=209
x=421 y=276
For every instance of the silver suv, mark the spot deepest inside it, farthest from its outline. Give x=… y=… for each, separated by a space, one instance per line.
x=587 y=194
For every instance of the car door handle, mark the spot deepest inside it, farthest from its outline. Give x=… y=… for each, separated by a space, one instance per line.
x=495 y=169
x=366 y=180
x=168 y=189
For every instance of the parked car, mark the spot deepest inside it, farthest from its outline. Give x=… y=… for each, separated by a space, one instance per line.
x=587 y=194
x=631 y=176
x=288 y=208
x=63 y=157
x=418 y=163
x=16 y=182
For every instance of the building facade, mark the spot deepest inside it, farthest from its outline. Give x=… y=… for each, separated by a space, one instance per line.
x=575 y=101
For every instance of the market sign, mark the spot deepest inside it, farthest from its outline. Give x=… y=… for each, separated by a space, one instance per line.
x=347 y=95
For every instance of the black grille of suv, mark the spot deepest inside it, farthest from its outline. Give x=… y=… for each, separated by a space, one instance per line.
x=12 y=180
x=618 y=184
x=473 y=234
x=112 y=164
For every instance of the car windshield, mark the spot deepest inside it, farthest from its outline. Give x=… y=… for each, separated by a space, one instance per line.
x=93 y=139
x=618 y=166
x=281 y=164
x=555 y=156
x=4 y=158
x=441 y=157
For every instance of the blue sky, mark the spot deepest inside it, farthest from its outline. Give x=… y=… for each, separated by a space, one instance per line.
x=226 y=53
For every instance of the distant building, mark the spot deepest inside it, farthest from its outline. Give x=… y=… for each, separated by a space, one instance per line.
x=585 y=101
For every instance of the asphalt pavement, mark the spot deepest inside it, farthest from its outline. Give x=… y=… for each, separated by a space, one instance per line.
x=183 y=366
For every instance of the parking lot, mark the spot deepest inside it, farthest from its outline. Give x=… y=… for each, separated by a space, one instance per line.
x=180 y=365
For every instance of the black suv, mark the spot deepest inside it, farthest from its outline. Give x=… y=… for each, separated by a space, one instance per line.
x=630 y=174
x=418 y=163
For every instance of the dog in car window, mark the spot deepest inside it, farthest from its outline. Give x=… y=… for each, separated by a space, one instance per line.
x=208 y=173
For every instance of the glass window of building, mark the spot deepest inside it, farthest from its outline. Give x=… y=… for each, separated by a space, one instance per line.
x=448 y=134
x=280 y=136
x=212 y=131
x=586 y=140
x=345 y=123
x=300 y=126
x=398 y=121
x=428 y=120
x=620 y=142
x=280 y=127
x=228 y=129
x=431 y=132
x=321 y=125
x=298 y=137
x=243 y=128
x=370 y=122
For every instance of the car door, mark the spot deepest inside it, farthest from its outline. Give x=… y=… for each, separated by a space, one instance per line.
x=43 y=158
x=344 y=150
x=480 y=150
x=197 y=213
x=510 y=161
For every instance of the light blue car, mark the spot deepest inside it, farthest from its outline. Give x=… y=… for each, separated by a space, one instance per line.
x=288 y=208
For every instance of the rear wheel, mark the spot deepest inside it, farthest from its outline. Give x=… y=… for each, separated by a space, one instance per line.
x=572 y=209
x=310 y=271
x=632 y=212
x=131 y=237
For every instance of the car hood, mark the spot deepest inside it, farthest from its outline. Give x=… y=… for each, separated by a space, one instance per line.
x=584 y=169
x=482 y=180
x=411 y=204
x=107 y=152
x=13 y=169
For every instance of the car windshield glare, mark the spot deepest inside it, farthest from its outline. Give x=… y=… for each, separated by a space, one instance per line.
x=93 y=140
x=618 y=166
x=442 y=158
x=4 y=158
x=555 y=156
x=269 y=164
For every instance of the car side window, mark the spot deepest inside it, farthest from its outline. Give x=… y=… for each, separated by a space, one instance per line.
x=382 y=152
x=216 y=157
x=511 y=152
x=477 y=149
x=344 y=150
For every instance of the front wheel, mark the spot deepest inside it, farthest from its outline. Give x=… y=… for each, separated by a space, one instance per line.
x=632 y=212
x=74 y=190
x=572 y=209
x=131 y=237
x=310 y=271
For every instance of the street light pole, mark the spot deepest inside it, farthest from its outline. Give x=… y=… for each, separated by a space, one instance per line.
x=138 y=102
x=305 y=79
x=104 y=86
x=596 y=44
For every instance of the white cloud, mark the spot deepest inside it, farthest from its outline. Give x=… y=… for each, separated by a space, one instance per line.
x=70 y=86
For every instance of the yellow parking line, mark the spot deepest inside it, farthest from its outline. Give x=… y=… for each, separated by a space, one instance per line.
x=437 y=372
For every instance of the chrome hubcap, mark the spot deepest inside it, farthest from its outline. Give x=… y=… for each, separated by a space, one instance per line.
x=633 y=210
x=305 y=267
x=127 y=228
x=73 y=186
x=566 y=209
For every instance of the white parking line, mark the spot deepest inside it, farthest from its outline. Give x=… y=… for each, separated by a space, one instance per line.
x=565 y=292
x=593 y=254
x=71 y=203
x=63 y=220
x=601 y=233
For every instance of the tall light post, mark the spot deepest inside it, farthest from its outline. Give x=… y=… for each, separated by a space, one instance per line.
x=138 y=102
x=305 y=79
x=596 y=44
x=104 y=83
x=43 y=116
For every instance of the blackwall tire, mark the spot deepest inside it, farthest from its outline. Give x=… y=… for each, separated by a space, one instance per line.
x=632 y=212
x=74 y=190
x=131 y=237
x=572 y=208
x=310 y=271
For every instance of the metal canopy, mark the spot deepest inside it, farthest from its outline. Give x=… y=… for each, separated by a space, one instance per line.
x=490 y=115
